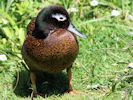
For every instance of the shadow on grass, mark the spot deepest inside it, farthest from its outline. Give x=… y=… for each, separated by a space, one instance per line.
x=47 y=84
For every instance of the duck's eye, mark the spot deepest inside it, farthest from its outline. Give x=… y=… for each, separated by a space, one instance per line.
x=59 y=17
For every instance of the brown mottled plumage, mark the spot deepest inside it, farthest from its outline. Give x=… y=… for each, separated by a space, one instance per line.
x=50 y=45
x=53 y=54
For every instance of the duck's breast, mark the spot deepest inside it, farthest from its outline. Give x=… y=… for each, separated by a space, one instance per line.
x=55 y=53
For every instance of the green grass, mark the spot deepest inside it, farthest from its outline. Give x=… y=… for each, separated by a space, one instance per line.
x=100 y=70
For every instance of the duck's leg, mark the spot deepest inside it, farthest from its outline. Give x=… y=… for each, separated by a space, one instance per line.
x=69 y=74
x=33 y=81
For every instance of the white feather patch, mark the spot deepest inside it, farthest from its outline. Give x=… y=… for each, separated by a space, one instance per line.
x=59 y=17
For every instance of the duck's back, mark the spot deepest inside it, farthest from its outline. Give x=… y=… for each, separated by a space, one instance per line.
x=52 y=54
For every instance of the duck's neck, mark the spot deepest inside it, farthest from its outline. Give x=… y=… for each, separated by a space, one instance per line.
x=39 y=34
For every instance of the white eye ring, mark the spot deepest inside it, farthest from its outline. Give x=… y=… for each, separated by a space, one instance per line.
x=59 y=17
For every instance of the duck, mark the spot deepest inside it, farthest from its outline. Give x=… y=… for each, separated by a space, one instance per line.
x=51 y=44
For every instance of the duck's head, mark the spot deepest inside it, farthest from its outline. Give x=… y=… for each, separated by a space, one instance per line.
x=52 y=18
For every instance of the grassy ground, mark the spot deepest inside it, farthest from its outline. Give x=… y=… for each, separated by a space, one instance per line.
x=100 y=70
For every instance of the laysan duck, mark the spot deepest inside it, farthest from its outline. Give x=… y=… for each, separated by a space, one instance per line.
x=51 y=45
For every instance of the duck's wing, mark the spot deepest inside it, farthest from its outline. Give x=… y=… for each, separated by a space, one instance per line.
x=31 y=26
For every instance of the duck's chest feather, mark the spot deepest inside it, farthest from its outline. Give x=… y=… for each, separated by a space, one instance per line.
x=53 y=54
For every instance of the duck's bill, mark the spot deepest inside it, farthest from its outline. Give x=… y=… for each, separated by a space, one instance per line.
x=72 y=29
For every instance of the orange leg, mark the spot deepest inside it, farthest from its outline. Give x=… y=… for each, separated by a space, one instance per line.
x=33 y=81
x=69 y=74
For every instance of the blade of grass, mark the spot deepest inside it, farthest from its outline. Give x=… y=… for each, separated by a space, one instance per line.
x=122 y=1
x=132 y=6
x=9 y=3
